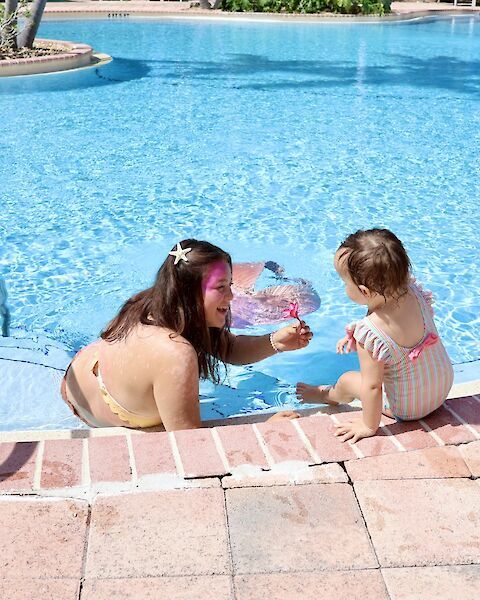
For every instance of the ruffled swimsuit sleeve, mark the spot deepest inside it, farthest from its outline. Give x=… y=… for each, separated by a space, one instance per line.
x=371 y=339
x=426 y=295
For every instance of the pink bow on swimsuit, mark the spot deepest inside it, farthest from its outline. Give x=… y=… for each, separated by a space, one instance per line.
x=430 y=340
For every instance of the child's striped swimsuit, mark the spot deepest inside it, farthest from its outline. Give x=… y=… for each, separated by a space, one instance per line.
x=416 y=380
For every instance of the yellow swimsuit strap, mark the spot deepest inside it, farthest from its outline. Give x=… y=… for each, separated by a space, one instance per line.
x=133 y=419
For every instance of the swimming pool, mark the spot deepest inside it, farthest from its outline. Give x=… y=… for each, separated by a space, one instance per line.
x=273 y=140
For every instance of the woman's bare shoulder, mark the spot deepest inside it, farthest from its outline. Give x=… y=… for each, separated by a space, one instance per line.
x=160 y=340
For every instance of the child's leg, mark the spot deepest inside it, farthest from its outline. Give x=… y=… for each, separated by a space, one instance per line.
x=344 y=391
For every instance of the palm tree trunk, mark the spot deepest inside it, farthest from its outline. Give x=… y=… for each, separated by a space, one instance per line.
x=27 y=36
x=9 y=35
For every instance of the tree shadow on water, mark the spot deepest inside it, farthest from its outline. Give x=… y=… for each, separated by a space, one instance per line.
x=255 y=72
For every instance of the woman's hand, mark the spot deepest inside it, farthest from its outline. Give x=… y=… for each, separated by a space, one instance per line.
x=356 y=430
x=292 y=337
x=284 y=415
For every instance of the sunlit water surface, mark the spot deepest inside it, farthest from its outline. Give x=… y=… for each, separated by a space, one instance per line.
x=272 y=140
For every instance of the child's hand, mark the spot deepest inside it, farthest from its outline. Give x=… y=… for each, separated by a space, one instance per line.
x=343 y=346
x=355 y=430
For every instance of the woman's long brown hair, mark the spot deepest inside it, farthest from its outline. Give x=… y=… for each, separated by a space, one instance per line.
x=175 y=301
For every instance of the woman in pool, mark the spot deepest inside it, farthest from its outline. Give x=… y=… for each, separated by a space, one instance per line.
x=144 y=370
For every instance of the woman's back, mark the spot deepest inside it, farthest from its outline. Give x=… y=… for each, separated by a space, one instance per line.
x=114 y=381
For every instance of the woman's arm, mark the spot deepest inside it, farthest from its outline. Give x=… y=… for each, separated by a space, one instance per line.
x=176 y=388
x=247 y=349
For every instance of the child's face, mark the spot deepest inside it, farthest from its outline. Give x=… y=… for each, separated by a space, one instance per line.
x=357 y=294
x=217 y=293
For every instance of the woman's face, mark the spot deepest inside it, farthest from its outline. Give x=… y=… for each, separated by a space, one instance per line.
x=217 y=293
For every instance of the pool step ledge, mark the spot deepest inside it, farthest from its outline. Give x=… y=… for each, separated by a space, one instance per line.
x=250 y=454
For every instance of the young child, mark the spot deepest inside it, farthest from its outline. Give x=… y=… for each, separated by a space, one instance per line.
x=405 y=371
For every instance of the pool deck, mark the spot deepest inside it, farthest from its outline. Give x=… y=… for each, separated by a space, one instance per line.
x=247 y=511
x=259 y=510
x=125 y=8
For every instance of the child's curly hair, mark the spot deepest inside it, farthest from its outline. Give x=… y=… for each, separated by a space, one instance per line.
x=377 y=259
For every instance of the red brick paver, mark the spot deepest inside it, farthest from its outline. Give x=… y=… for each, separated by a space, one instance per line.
x=410 y=434
x=443 y=583
x=179 y=532
x=283 y=442
x=215 y=587
x=198 y=453
x=241 y=446
x=428 y=463
x=297 y=529
x=471 y=455
x=109 y=459
x=42 y=538
x=17 y=465
x=341 y=585
x=422 y=522
x=28 y=589
x=448 y=428
x=153 y=454
x=381 y=443
x=319 y=431
x=62 y=463
x=467 y=408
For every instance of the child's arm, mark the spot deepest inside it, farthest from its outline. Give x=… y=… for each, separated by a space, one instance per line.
x=371 y=392
x=370 y=396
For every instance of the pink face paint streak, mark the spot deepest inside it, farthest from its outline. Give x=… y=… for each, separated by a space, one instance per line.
x=217 y=272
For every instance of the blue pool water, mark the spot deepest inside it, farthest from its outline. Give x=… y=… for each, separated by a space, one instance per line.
x=272 y=140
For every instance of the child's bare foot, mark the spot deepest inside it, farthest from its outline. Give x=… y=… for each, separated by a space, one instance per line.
x=318 y=394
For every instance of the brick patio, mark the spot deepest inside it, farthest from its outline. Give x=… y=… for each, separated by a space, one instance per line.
x=267 y=510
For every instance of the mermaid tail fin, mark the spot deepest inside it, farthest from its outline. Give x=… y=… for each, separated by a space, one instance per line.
x=245 y=275
x=266 y=306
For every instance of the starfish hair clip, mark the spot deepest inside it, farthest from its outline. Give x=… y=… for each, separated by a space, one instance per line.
x=180 y=253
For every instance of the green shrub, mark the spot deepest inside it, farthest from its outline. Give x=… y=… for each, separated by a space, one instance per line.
x=347 y=7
